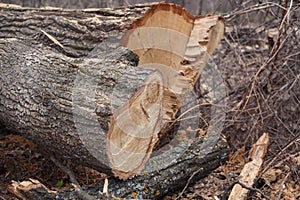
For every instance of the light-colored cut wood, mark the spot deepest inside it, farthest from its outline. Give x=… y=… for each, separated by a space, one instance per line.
x=251 y=169
x=177 y=45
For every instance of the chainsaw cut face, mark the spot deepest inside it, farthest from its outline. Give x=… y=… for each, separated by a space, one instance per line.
x=176 y=46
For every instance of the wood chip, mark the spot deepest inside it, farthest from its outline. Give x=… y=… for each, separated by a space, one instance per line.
x=251 y=169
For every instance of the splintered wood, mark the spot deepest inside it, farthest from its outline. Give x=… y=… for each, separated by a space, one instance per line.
x=177 y=45
x=251 y=169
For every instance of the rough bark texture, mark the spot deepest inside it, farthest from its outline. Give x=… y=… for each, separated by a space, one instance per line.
x=44 y=93
x=41 y=95
x=79 y=31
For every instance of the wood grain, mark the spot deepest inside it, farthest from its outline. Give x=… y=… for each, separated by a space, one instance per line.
x=177 y=45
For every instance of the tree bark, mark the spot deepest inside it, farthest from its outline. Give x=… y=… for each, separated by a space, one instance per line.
x=57 y=87
x=79 y=31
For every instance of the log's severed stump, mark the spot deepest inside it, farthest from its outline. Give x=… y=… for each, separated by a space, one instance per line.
x=57 y=85
x=167 y=38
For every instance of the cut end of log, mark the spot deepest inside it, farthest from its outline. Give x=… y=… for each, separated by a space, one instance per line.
x=177 y=45
x=134 y=129
x=161 y=14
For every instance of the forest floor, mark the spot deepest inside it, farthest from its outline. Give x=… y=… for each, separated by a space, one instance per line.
x=259 y=64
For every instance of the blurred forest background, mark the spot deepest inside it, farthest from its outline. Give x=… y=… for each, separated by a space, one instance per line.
x=194 y=6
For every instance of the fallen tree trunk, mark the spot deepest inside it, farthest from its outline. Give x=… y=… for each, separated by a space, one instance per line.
x=57 y=85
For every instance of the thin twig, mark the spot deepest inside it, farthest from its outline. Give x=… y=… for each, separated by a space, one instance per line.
x=245 y=101
x=187 y=111
x=292 y=141
x=280 y=30
x=282 y=186
x=252 y=8
x=252 y=189
x=81 y=193
x=188 y=182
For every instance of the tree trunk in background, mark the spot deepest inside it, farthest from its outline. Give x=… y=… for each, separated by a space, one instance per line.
x=196 y=7
x=48 y=59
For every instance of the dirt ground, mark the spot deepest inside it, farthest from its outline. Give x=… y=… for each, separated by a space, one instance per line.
x=21 y=160
x=260 y=66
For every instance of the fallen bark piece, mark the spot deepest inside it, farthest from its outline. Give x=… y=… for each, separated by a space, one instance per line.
x=25 y=189
x=251 y=169
x=177 y=45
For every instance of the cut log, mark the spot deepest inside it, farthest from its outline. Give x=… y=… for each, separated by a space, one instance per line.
x=57 y=87
x=135 y=126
